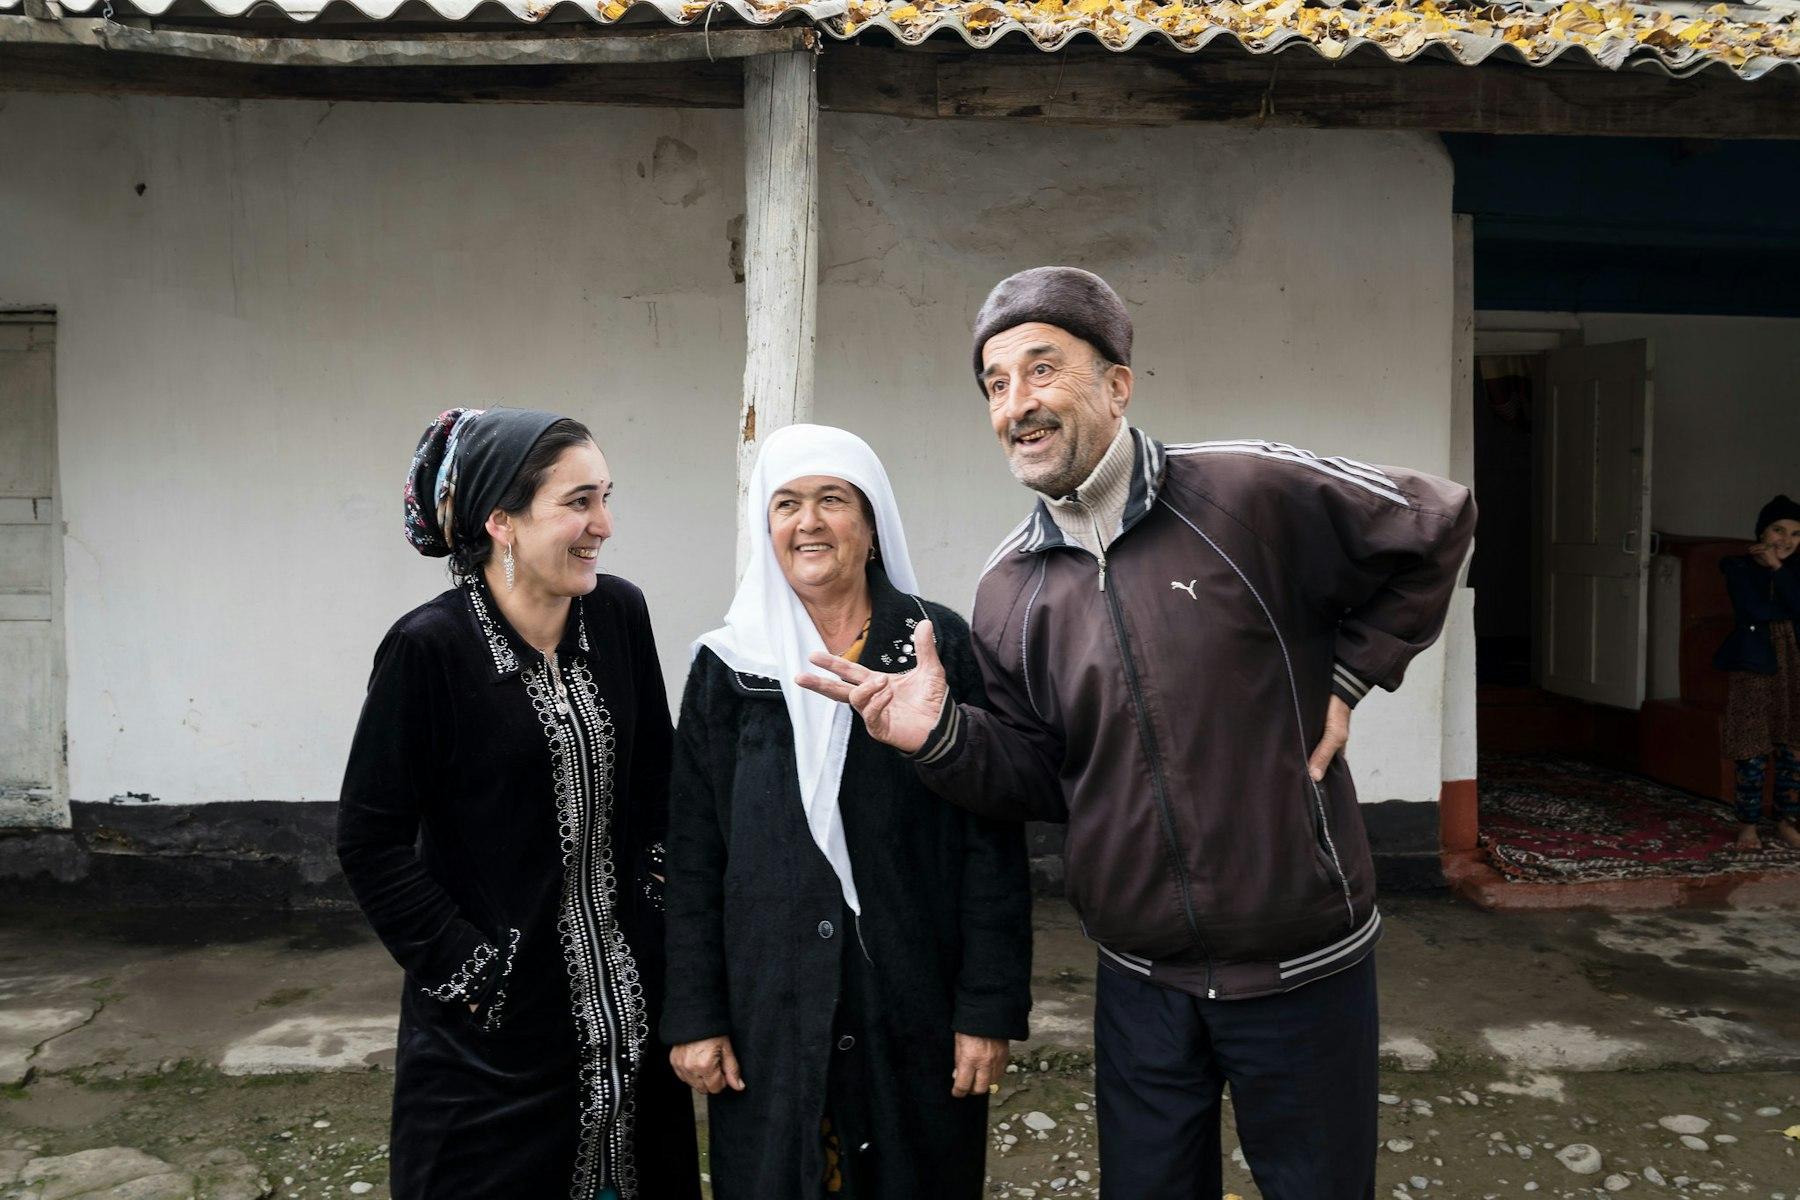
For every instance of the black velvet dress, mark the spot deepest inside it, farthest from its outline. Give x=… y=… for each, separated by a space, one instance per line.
x=826 y=1019
x=503 y=835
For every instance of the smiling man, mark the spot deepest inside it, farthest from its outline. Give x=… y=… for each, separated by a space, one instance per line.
x=1172 y=642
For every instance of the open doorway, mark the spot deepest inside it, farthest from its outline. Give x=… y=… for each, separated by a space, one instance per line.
x=1563 y=443
x=1599 y=713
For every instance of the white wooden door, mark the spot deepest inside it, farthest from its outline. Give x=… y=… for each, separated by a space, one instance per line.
x=33 y=764
x=1597 y=523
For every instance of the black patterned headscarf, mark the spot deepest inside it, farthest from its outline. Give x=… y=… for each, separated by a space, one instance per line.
x=463 y=464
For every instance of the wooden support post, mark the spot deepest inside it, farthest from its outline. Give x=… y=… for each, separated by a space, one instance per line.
x=1457 y=802
x=781 y=253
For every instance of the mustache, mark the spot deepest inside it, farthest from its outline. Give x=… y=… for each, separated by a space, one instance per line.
x=1018 y=429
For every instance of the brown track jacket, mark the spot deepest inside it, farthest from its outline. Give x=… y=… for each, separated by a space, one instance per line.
x=1163 y=700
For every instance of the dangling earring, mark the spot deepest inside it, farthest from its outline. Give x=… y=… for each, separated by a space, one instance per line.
x=511 y=569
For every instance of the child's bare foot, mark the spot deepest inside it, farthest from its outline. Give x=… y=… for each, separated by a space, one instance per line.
x=1747 y=839
x=1786 y=831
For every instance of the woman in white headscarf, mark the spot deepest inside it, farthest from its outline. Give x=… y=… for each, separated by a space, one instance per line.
x=849 y=955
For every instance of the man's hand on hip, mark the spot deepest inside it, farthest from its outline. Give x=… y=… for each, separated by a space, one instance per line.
x=1337 y=735
x=899 y=710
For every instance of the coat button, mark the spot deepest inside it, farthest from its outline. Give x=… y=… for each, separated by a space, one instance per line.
x=846 y=1042
x=825 y=929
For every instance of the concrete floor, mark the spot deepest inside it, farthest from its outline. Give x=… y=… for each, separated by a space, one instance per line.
x=190 y=1035
x=1558 y=991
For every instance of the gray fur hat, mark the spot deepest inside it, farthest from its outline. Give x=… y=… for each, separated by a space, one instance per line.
x=1067 y=297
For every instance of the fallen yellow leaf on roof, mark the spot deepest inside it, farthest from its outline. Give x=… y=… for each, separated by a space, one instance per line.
x=1792 y=1131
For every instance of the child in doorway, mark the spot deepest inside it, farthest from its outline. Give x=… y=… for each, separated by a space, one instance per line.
x=1762 y=662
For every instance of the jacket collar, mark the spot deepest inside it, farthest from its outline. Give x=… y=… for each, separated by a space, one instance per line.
x=1148 y=464
x=507 y=651
x=888 y=648
x=893 y=617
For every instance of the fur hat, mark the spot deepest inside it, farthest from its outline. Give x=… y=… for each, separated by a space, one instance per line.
x=1778 y=509
x=1069 y=298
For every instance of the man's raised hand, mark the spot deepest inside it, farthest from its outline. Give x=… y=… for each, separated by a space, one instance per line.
x=897 y=709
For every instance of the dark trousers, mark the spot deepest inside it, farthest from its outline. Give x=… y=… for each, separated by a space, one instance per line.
x=1302 y=1072
x=1751 y=772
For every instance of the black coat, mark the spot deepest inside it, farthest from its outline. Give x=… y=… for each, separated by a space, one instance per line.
x=1758 y=596
x=761 y=945
x=450 y=831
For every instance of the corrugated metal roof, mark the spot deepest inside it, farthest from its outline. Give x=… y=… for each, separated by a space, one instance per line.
x=1679 y=38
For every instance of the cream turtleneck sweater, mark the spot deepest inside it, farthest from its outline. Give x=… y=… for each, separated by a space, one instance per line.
x=1090 y=514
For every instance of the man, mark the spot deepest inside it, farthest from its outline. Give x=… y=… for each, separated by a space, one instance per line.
x=1172 y=643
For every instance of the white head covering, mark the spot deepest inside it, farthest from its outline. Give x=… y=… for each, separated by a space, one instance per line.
x=767 y=631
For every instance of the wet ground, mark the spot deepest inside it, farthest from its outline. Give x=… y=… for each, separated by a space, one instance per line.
x=1509 y=1038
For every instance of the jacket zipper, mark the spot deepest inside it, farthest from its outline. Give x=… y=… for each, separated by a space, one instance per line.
x=1331 y=847
x=1157 y=784
x=1343 y=877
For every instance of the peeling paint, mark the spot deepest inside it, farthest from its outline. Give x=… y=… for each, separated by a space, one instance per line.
x=734 y=237
x=676 y=173
x=1013 y=190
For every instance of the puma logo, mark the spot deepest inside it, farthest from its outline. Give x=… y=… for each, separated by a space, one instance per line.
x=1187 y=587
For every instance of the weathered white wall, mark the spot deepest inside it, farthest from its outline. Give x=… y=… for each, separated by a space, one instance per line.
x=249 y=348
x=1286 y=285
x=1727 y=429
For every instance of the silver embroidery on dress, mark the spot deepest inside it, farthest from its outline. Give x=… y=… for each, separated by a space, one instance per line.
x=466 y=976
x=504 y=659
x=604 y=987
x=490 y=1018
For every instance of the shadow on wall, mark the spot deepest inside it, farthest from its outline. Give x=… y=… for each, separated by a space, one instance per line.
x=1007 y=194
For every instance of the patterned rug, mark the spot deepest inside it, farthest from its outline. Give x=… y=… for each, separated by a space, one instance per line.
x=1549 y=819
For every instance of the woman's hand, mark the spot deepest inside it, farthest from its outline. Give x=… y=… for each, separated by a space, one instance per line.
x=1766 y=554
x=707 y=1066
x=980 y=1062
x=899 y=710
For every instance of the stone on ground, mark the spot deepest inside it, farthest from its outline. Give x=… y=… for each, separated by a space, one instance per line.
x=226 y=1174
x=112 y=1173
x=1685 y=1124
x=1580 y=1158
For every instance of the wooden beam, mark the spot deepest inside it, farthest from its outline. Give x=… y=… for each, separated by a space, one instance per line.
x=1366 y=91
x=656 y=67
x=781 y=254
x=654 y=85
x=443 y=49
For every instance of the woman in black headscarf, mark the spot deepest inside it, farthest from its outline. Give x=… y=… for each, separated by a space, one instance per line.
x=501 y=825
